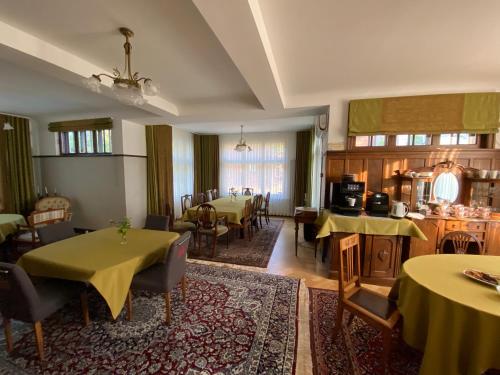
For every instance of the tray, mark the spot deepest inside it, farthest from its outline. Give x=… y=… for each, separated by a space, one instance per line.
x=482 y=277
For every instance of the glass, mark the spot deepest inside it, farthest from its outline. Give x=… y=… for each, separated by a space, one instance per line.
x=71 y=143
x=403 y=140
x=362 y=141
x=466 y=139
x=421 y=140
x=446 y=187
x=378 y=140
x=423 y=195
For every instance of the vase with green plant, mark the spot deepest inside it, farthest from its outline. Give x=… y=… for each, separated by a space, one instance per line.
x=122 y=226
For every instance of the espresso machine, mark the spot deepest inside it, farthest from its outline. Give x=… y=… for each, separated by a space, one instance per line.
x=347 y=196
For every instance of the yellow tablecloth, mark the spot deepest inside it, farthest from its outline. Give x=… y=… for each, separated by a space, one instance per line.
x=100 y=259
x=330 y=222
x=455 y=321
x=231 y=208
x=8 y=224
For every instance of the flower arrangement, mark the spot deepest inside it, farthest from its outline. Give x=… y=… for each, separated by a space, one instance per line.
x=123 y=226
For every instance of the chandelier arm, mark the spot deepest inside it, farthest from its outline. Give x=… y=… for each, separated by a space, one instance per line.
x=98 y=76
x=143 y=79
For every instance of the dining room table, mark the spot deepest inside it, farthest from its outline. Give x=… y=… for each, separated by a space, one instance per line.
x=453 y=319
x=8 y=225
x=230 y=207
x=102 y=259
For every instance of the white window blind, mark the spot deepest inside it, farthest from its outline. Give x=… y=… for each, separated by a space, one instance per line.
x=270 y=166
x=183 y=160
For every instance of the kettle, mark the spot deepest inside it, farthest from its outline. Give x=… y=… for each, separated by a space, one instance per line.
x=399 y=209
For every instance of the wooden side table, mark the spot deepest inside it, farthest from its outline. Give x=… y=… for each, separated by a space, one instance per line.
x=305 y=215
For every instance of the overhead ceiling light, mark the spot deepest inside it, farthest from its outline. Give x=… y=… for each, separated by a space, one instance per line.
x=7 y=126
x=242 y=145
x=127 y=87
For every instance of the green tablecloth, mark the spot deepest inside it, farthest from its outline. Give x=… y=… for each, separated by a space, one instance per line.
x=455 y=321
x=231 y=208
x=99 y=259
x=8 y=224
x=329 y=222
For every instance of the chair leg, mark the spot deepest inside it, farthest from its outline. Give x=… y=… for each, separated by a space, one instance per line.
x=39 y=340
x=199 y=243
x=85 y=308
x=214 y=243
x=387 y=338
x=129 y=305
x=338 y=323
x=8 y=335
x=227 y=240
x=260 y=220
x=167 y=308
x=184 y=287
x=351 y=318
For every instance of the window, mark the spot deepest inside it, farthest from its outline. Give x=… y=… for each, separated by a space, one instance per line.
x=85 y=142
x=413 y=140
x=370 y=141
x=183 y=164
x=265 y=169
x=451 y=139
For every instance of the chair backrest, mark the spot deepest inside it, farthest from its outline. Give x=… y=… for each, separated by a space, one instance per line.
x=55 y=202
x=18 y=297
x=55 y=232
x=257 y=203
x=51 y=216
x=207 y=216
x=209 y=195
x=247 y=212
x=247 y=191
x=170 y=213
x=268 y=199
x=175 y=260
x=215 y=194
x=350 y=266
x=186 y=202
x=157 y=222
x=201 y=198
x=461 y=243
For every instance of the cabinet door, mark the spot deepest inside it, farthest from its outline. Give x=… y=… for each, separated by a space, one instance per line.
x=430 y=227
x=493 y=239
x=381 y=256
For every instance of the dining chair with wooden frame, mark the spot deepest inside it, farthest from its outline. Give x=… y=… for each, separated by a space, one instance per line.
x=246 y=220
x=215 y=194
x=186 y=202
x=209 y=224
x=375 y=309
x=461 y=243
x=264 y=210
x=209 y=195
x=247 y=191
x=201 y=198
x=257 y=205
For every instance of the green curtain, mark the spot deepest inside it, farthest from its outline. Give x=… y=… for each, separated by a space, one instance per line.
x=303 y=165
x=160 y=184
x=206 y=162
x=426 y=114
x=16 y=165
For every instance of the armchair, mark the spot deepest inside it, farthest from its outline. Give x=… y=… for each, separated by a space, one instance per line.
x=27 y=234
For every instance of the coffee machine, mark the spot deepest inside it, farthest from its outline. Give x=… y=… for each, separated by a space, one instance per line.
x=377 y=204
x=347 y=196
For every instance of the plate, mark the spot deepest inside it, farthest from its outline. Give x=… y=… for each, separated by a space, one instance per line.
x=483 y=277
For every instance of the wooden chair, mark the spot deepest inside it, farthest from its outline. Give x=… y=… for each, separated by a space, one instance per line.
x=375 y=309
x=257 y=205
x=55 y=232
x=246 y=220
x=54 y=202
x=264 y=210
x=157 y=222
x=27 y=234
x=215 y=194
x=461 y=243
x=186 y=202
x=209 y=225
x=247 y=191
x=201 y=198
x=209 y=195
x=179 y=226
x=165 y=276
x=22 y=300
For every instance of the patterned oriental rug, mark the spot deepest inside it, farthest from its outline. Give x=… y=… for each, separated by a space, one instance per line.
x=358 y=350
x=233 y=322
x=255 y=253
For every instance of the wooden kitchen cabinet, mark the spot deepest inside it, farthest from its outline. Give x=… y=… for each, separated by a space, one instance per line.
x=493 y=238
x=431 y=229
x=382 y=256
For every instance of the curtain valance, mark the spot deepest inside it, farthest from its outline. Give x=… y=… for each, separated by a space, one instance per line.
x=426 y=114
x=78 y=125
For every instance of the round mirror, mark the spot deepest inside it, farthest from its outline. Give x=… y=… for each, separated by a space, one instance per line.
x=446 y=187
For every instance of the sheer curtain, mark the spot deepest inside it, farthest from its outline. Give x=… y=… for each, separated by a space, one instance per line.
x=183 y=171
x=268 y=167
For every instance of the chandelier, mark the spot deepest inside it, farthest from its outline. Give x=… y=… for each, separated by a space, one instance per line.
x=242 y=145
x=127 y=87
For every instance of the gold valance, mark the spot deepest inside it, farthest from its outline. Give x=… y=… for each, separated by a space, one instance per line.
x=426 y=114
x=78 y=125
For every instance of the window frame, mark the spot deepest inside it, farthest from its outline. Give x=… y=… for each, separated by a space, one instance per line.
x=482 y=141
x=64 y=143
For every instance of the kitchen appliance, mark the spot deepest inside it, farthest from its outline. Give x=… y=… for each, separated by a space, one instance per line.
x=399 y=209
x=377 y=204
x=347 y=196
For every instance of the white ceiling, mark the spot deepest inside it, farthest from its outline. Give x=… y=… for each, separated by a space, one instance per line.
x=269 y=64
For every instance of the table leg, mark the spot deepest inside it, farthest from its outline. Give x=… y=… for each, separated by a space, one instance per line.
x=296 y=236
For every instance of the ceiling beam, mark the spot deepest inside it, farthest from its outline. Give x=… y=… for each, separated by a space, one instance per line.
x=241 y=30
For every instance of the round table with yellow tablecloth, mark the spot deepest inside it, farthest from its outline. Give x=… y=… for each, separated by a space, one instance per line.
x=8 y=224
x=454 y=320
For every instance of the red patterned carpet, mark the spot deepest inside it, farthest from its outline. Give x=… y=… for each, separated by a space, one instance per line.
x=255 y=253
x=359 y=348
x=233 y=322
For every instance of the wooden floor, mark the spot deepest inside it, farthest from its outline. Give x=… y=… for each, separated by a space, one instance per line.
x=304 y=265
